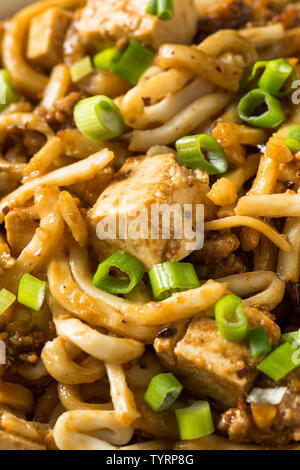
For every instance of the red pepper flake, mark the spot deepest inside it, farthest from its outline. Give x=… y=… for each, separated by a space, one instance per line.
x=241 y=373
x=147 y=101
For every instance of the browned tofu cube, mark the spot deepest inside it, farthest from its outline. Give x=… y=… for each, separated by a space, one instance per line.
x=212 y=367
x=144 y=182
x=45 y=38
x=108 y=21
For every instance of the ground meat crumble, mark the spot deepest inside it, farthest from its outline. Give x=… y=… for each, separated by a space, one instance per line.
x=240 y=426
x=23 y=343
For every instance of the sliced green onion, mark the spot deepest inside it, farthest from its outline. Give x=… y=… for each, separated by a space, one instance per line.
x=270 y=118
x=8 y=94
x=32 y=292
x=151 y=8
x=129 y=265
x=293 y=139
x=6 y=300
x=162 y=392
x=81 y=68
x=165 y=9
x=169 y=277
x=105 y=60
x=133 y=62
x=195 y=421
x=258 y=65
x=98 y=118
x=202 y=151
x=259 y=342
x=231 y=319
x=293 y=338
x=274 y=77
x=279 y=363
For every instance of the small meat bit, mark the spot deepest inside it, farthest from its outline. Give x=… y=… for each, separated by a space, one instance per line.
x=227 y=267
x=274 y=426
x=216 y=247
x=64 y=107
x=229 y=14
x=21 y=144
x=288 y=18
x=60 y=116
x=33 y=141
x=23 y=342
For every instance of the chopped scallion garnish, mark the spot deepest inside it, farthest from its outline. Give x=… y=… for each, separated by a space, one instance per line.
x=271 y=114
x=259 y=342
x=134 y=61
x=151 y=7
x=131 y=267
x=169 y=277
x=98 y=118
x=231 y=319
x=293 y=337
x=31 y=292
x=163 y=9
x=293 y=139
x=195 y=421
x=277 y=77
x=280 y=362
x=6 y=300
x=81 y=68
x=106 y=59
x=202 y=151
x=162 y=392
x=8 y=94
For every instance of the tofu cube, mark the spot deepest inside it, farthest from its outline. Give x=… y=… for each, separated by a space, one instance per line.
x=144 y=182
x=212 y=367
x=45 y=38
x=109 y=21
